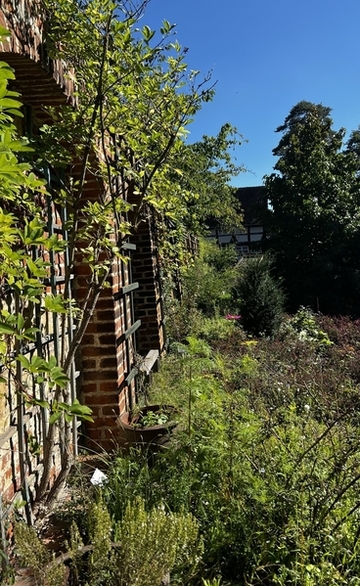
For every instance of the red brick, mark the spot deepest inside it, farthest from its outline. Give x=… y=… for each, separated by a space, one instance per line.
x=101 y=399
x=110 y=411
x=107 y=316
x=93 y=434
x=108 y=387
x=101 y=375
x=106 y=340
x=109 y=362
x=88 y=364
x=105 y=327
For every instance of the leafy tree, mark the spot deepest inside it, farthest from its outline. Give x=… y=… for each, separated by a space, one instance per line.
x=353 y=145
x=205 y=170
x=314 y=213
x=134 y=99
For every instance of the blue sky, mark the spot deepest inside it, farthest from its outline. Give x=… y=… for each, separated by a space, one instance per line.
x=266 y=56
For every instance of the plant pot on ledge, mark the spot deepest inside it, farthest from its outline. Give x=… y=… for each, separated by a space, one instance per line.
x=151 y=426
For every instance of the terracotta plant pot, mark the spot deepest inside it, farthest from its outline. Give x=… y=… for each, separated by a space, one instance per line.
x=132 y=433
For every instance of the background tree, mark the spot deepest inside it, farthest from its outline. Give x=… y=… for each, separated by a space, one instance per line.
x=199 y=190
x=206 y=168
x=314 y=214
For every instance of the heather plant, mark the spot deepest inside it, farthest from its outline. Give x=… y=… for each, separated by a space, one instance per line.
x=156 y=543
x=34 y=555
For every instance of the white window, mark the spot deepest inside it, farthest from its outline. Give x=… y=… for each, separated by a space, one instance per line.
x=256 y=233
x=224 y=238
x=243 y=237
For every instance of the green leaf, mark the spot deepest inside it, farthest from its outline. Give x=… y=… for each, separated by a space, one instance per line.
x=147 y=33
x=86 y=418
x=55 y=304
x=25 y=363
x=20 y=322
x=58 y=377
x=54 y=417
x=6 y=329
x=9 y=103
x=41 y=403
x=79 y=409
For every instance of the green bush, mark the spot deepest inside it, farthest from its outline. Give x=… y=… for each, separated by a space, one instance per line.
x=304 y=325
x=209 y=281
x=155 y=543
x=259 y=297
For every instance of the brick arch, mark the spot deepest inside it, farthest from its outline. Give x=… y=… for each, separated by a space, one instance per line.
x=40 y=80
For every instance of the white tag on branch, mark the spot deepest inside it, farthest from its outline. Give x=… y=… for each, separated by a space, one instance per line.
x=98 y=478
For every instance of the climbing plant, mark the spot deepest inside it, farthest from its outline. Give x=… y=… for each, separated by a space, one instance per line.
x=23 y=281
x=132 y=102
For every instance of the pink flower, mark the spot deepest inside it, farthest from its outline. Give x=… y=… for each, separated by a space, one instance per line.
x=229 y=316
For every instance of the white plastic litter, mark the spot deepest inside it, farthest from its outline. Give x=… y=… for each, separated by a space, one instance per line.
x=98 y=478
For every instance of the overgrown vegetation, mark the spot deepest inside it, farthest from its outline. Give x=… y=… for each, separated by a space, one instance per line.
x=259 y=482
x=267 y=455
x=265 y=458
x=135 y=99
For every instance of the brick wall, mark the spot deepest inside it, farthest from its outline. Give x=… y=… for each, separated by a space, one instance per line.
x=25 y=53
x=147 y=298
x=106 y=358
x=107 y=355
x=24 y=20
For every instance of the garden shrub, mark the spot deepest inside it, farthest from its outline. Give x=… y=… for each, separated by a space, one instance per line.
x=259 y=297
x=304 y=325
x=209 y=281
x=34 y=555
x=155 y=543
